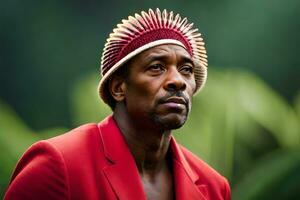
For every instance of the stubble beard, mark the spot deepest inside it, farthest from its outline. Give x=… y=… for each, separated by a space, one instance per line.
x=163 y=123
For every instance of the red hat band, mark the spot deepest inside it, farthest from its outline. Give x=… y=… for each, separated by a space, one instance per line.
x=146 y=38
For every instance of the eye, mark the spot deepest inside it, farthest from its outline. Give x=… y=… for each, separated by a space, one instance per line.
x=187 y=69
x=156 y=68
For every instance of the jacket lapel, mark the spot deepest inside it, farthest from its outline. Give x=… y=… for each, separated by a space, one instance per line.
x=122 y=173
x=185 y=179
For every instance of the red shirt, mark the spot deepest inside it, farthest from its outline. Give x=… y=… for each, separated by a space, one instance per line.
x=94 y=162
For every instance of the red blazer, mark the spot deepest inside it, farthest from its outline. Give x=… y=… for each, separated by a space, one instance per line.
x=94 y=162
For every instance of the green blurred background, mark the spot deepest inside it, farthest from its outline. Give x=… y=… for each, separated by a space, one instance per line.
x=245 y=123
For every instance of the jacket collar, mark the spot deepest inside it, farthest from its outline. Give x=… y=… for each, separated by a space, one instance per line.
x=185 y=179
x=122 y=173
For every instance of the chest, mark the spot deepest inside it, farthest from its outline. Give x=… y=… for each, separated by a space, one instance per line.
x=160 y=188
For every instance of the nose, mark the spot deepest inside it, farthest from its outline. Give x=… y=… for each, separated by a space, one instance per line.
x=174 y=81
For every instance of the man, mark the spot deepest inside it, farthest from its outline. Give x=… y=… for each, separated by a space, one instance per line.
x=152 y=65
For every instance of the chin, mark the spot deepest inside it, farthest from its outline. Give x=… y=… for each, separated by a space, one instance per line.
x=170 y=122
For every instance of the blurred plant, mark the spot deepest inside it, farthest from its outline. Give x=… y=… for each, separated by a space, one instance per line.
x=86 y=105
x=275 y=176
x=238 y=124
x=15 y=138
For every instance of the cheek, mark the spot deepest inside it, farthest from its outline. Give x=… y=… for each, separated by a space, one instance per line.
x=191 y=86
x=144 y=90
x=139 y=95
x=148 y=87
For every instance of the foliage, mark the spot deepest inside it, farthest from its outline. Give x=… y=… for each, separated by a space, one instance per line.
x=238 y=124
x=275 y=176
x=15 y=138
x=86 y=105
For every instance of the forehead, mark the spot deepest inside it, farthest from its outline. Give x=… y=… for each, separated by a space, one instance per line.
x=163 y=51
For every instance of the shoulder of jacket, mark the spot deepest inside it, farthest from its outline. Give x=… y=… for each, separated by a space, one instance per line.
x=82 y=140
x=42 y=162
x=75 y=137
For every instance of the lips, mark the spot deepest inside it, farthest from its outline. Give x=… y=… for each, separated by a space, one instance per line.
x=177 y=100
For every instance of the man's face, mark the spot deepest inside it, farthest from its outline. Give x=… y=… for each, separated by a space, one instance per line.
x=160 y=86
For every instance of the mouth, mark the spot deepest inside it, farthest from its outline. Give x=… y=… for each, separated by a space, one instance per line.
x=176 y=100
x=175 y=103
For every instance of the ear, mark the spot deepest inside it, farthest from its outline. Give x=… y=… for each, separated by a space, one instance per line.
x=117 y=88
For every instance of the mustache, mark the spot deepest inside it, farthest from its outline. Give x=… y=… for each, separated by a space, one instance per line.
x=174 y=94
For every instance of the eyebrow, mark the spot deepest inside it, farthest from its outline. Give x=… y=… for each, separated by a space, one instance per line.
x=183 y=59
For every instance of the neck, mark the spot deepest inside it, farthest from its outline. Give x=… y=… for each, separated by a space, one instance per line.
x=148 y=145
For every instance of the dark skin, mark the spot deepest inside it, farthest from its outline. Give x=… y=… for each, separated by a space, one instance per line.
x=152 y=100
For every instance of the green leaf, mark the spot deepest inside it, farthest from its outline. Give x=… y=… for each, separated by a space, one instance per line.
x=297 y=105
x=268 y=109
x=15 y=137
x=86 y=105
x=275 y=176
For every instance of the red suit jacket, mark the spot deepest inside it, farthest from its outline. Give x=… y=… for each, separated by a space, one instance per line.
x=94 y=162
